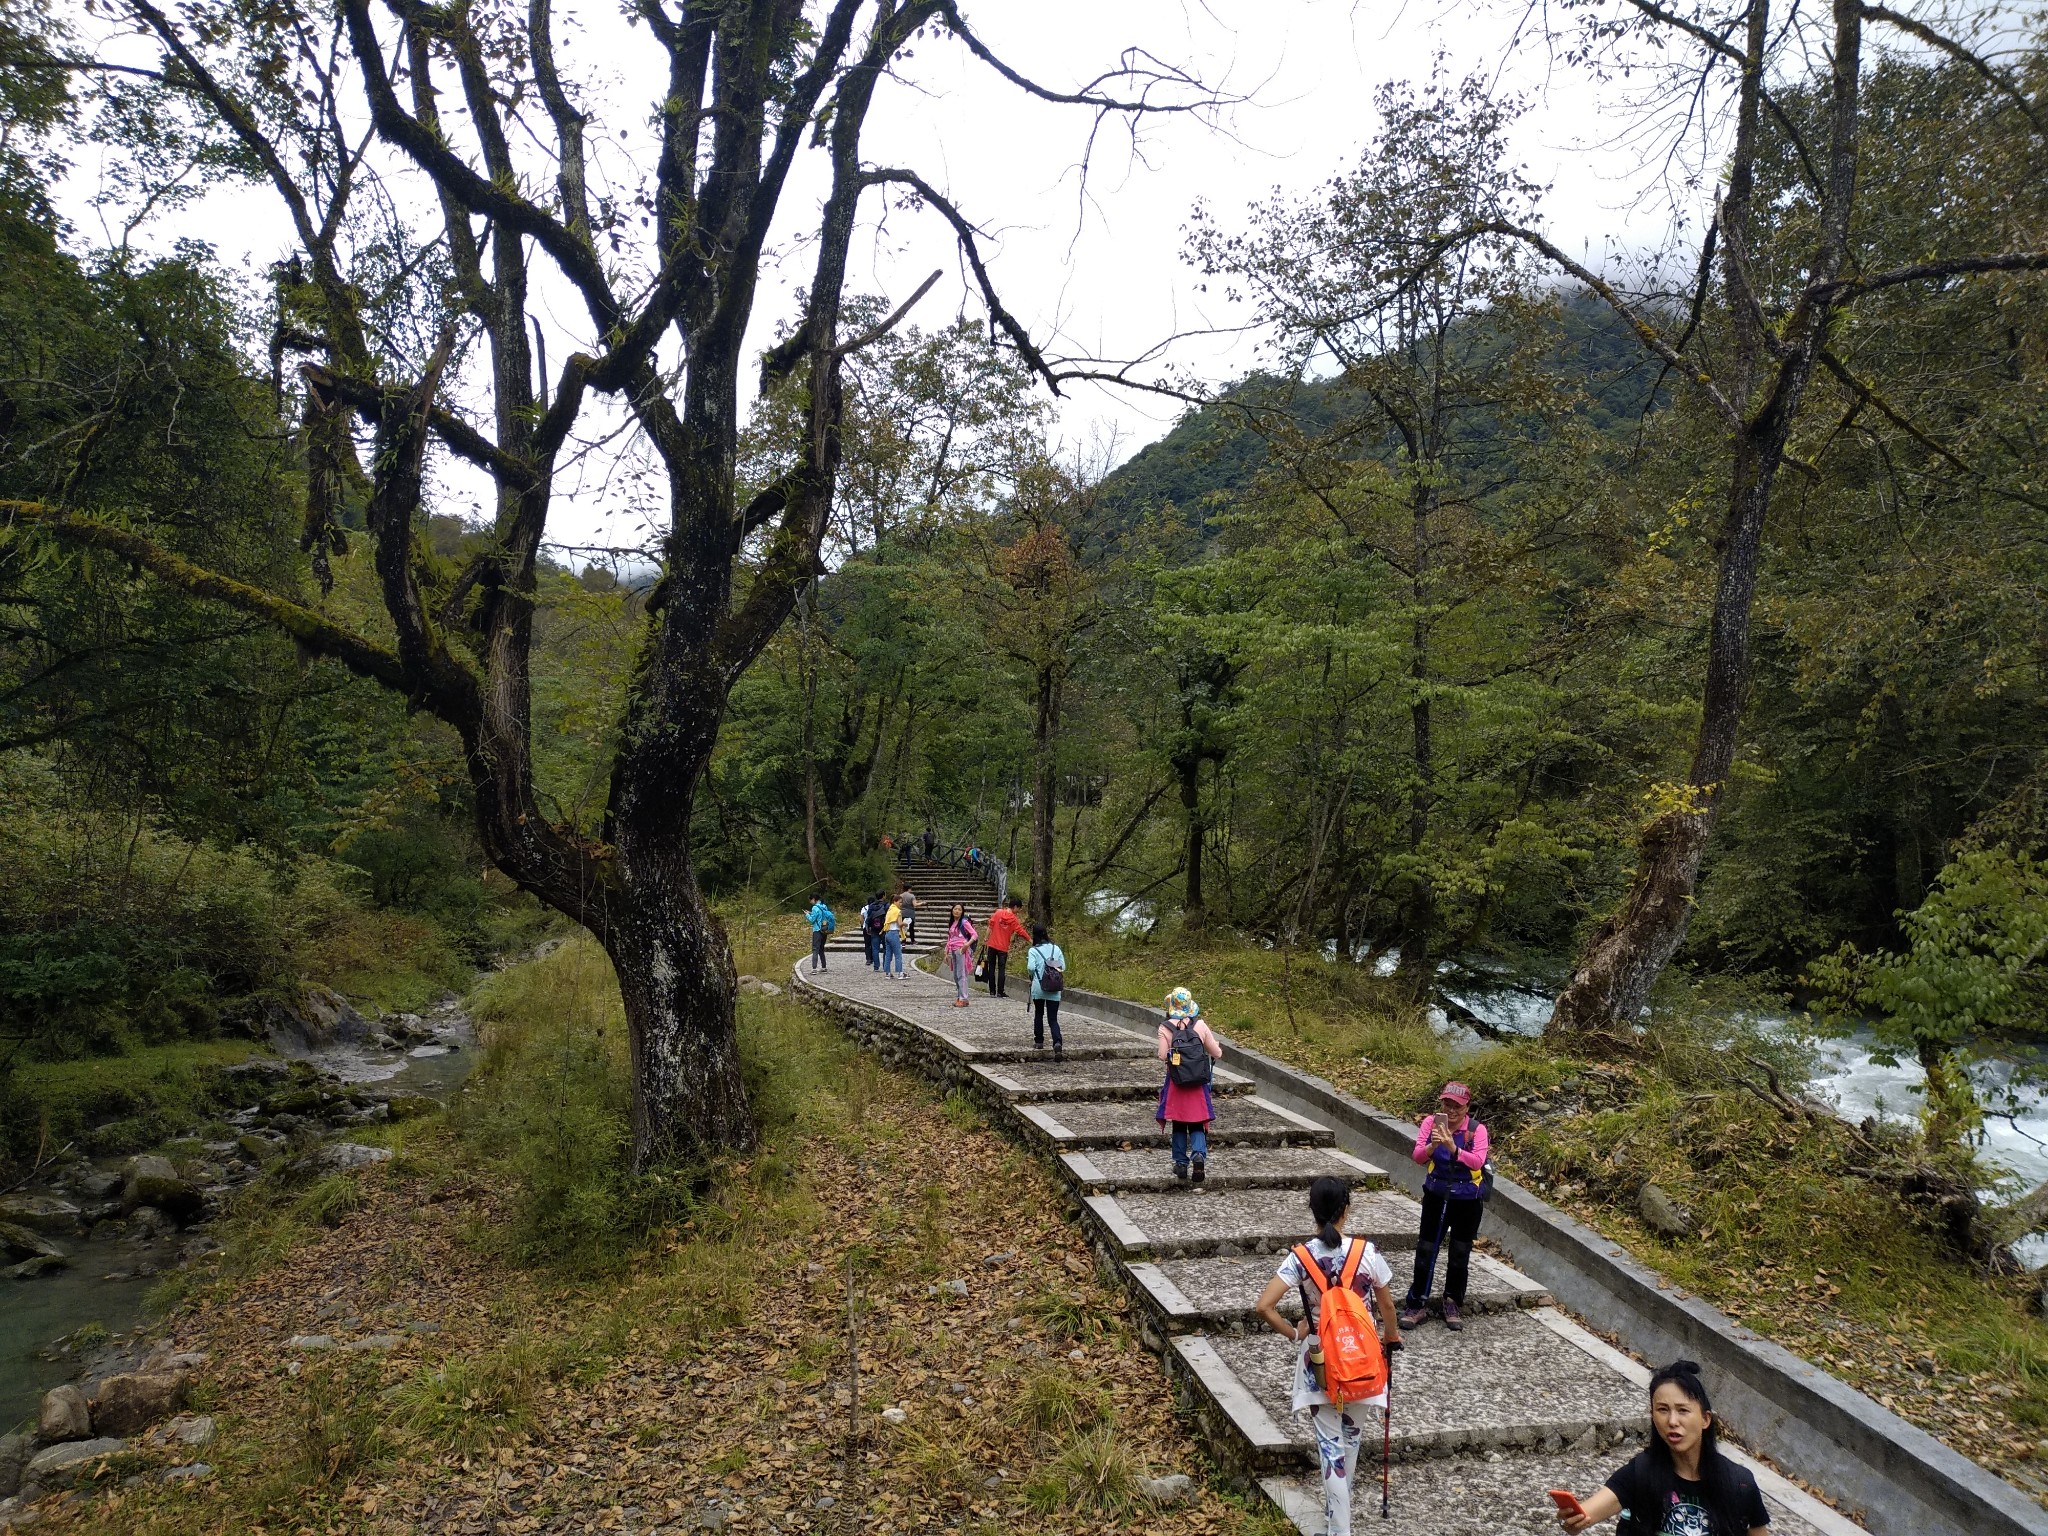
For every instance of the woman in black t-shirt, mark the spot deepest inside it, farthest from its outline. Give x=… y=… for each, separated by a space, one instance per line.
x=1681 y=1485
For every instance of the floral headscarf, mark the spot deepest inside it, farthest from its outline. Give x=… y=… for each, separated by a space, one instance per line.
x=1180 y=1004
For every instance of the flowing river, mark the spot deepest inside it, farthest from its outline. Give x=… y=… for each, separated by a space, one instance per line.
x=112 y=1272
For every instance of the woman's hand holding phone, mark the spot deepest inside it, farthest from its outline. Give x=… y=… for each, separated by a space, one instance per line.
x=1570 y=1513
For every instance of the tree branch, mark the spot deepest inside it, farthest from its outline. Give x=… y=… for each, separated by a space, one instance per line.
x=1849 y=289
x=1996 y=78
x=312 y=630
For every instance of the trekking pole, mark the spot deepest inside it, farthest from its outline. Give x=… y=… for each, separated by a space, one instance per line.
x=1387 y=1445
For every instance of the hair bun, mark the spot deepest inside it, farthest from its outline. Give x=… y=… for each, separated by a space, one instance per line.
x=1689 y=1367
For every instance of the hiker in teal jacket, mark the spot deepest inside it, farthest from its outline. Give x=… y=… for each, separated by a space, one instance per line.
x=822 y=923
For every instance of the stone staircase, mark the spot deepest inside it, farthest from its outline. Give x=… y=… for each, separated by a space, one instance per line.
x=1484 y=1421
x=937 y=887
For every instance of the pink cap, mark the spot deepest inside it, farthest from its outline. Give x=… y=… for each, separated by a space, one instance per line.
x=1457 y=1093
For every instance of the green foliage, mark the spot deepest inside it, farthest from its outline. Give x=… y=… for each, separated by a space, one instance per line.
x=127 y=1103
x=1971 y=965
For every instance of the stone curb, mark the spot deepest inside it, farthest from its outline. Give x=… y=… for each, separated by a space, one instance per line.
x=1898 y=1478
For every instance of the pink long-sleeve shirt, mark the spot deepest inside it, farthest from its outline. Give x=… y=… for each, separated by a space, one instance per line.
x=1473 y=1157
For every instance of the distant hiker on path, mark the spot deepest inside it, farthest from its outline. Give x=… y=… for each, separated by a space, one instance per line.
x=1680 y=1484
x=960 y=935
x=908 y=902
x=892 y=938
x=1190 y=1051
x=1004 y=930
x=1454 y=1147
x=1047 y=963
x=871 y=916
x=930 y=841
x=1352 y=1265
x=822 y=923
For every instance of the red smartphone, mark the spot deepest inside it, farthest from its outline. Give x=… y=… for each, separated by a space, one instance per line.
x=1566 y=1503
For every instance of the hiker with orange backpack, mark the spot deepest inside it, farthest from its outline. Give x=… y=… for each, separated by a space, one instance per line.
x=1342 y=1363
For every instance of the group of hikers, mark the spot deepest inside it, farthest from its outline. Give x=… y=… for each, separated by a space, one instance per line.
x=1680 y=1485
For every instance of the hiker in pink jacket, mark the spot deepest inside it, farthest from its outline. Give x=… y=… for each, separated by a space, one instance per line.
x=960 y=936
x=1190 y=1050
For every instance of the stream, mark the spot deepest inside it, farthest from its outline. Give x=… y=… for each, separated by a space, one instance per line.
x=113 y=1269
x=2011 y=1078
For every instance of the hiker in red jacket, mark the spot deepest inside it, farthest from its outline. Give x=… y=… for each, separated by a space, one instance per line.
x=1004 y=930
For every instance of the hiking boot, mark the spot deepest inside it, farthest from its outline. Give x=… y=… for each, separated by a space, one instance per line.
x=1201 y=1169
x=1413 y=1314
x=1454 y=1318
x=1059 y=1055
x=1180 y=1172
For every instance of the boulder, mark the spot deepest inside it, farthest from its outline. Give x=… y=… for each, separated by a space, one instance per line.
x=65 y=1415
x=62 y=1464
x=1174 y=1488
x=98 y=1185
x=193 y=1429
x=15 y=1451
x=146 y=1223
x=29 y=1269
x=1662 y=1214
x=153 y=1181
x=20 y=1243
x=40 y=1213
x=135 y=1400
x=343 y=1156
x=410 y=1106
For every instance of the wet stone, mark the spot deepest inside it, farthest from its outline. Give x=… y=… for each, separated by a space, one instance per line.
x=1112 y=1169
x=1187 y=1223
x=1506 y=1383
x=1238 y=1122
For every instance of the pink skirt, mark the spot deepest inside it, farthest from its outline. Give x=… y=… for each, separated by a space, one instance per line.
x=1186 y=1104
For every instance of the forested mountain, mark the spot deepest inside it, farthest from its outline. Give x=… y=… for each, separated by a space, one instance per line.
x=1222 y=448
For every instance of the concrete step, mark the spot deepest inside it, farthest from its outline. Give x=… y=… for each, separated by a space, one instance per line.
x=1245 y=1122
x=1510 y=1382
x=1217 y=1293
x=1039 y=1081
x=1109 y=1171
x=1194 y=1223
x=1502 y=1493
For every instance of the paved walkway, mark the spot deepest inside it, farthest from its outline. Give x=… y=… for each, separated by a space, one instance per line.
x=1484 y=1421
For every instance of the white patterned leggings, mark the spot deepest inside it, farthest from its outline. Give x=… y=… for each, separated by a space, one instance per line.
x=1337 y=1438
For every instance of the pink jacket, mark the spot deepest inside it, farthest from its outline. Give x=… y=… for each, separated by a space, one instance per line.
x=959 y=935
x=1473 y=1157
x=1209 y=1042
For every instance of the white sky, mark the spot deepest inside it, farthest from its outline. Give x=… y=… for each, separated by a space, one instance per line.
x=1106 y=277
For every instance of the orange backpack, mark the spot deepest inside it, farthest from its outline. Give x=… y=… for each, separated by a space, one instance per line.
x=1354 y=1369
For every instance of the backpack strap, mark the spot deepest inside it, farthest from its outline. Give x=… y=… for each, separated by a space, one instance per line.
x=1351 y=1262
x=1315 y=1270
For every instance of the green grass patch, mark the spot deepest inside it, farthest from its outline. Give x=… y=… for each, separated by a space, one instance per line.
x=127 y=1103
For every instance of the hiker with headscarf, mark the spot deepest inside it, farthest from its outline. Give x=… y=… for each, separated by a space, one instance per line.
x=1186 y=1102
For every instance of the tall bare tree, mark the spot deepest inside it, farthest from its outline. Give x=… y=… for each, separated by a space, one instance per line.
x=348 y=112
x=1776 y=290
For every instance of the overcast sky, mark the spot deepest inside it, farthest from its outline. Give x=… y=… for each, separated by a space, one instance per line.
x=1102 y=274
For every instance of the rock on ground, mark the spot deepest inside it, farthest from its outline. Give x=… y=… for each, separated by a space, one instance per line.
x=1175 y=1488
x=1661 y=1214
x=65 y=1416
x=153 y=1181
x=19 y=1242
x=62 y=1464
x=14 y=1453
x=40 y=1213
x=137 y=1399
x=342 y=1156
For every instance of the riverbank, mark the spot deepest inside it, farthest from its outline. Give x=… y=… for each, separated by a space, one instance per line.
x=446 y=1353
x=1790 y=1223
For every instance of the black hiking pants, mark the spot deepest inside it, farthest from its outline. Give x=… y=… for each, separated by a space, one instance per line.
x=1454 y=1228
x=817 y=949
x=1045 y=1013
x=998 y=971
